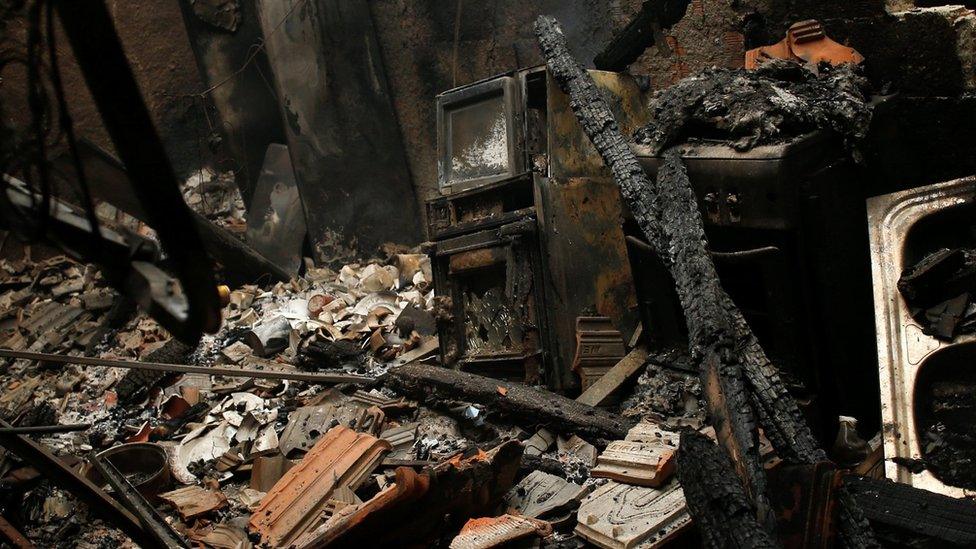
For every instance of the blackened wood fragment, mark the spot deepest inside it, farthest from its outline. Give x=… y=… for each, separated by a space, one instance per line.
x=720 y=339
x=520 y=402
x=136 y=383
x=908 y=512
x=715 y=498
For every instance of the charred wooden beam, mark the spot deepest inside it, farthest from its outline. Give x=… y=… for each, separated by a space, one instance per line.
x=152 y=522
x=716 y=500
x=520 y=402
x=912 y=517
x=641 y=33
x=13 y=536
x=719 y=338
x=676 y=229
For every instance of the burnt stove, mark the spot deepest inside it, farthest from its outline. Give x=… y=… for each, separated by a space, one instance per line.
x=527 y=233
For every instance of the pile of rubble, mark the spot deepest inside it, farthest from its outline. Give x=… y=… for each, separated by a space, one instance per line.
x=241 y=454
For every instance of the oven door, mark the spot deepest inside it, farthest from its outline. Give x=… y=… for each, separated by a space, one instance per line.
x=492 y=279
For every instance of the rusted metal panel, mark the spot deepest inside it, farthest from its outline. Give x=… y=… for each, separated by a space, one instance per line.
x=582 y=218
x=342 y=132
x=570 y=152
x=476 y=259
x=343 y=458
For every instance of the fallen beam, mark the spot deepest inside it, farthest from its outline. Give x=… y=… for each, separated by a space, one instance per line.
x=732 y=364
x=44 y=429
x=13 y=536
x=934 y=519
x=625 y=369
x=184 y=369
x=516 y=400
x=670 y=221
x=153 y=523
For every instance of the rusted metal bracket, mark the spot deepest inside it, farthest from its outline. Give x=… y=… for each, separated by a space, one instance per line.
x=153 y=523
x=67 y=478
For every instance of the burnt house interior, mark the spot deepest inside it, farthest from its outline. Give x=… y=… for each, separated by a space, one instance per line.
x=549 y=274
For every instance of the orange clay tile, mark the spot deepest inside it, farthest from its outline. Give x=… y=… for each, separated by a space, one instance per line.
x=342 y=458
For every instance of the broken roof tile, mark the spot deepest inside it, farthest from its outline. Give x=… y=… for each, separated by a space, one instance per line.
x=541 y=494
x=488 y=532
x=640 y=463
x=619 y=516
x=342 y=458
x=194 y=501
x=648 y=431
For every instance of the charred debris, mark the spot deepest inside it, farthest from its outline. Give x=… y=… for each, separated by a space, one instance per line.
x=600 y=299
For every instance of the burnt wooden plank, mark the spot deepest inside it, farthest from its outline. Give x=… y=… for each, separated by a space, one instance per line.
x=530 y=406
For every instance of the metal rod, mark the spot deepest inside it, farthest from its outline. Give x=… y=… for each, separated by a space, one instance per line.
x=180 y=368
x=39 y=429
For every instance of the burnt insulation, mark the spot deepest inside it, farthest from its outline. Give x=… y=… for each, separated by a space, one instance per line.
x=773 y=104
